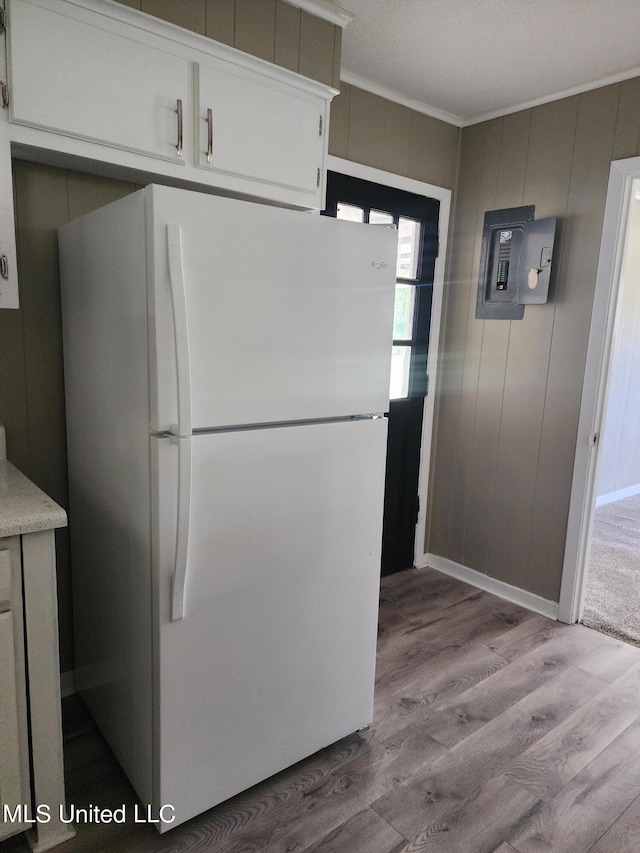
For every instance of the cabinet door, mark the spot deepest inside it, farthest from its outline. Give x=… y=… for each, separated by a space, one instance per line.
x=260 y=129
x=14 y=774
x=93 y=83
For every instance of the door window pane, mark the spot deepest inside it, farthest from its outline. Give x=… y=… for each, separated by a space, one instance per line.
x=408 y=247
x=403 y=312
x=350 y=212
x=400 y=363
x=379 y=217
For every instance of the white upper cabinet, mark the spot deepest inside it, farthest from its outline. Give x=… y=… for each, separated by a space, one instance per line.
x=251 y=126
x=80 y=80
x=99 y=82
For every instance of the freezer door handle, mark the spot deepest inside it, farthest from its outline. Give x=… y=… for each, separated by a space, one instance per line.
x=182 y=528
x=180 y=330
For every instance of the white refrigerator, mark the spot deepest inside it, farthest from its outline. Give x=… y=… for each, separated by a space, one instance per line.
x=226 y=370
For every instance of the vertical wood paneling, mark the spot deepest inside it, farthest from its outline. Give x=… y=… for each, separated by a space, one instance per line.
x=472 y=427
x=529 y=394
x=89 y=192
x=337 y=56
x=450 y=390
x=482 y=502
x=440 y=154
x=367 y=116
x=397 y=130
x=546 y=179
x=189 y=15
x=41 y=196
x=433 y=150
x=33 y=394
x=220 y=20
x=287 y=36
x=339 y=123
x=13 y=393
x=316 y=48
x=417 y=146
x=372 y=130
x=255 y=27
x=42 y=205
x=574 y=300
x=627 y=137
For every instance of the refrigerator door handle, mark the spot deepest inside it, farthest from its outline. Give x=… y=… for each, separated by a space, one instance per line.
x=180 y=329
x=182 y=533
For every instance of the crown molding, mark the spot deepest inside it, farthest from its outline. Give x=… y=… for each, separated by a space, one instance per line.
x=325 y=9
x=555 y=96
x=396 y=97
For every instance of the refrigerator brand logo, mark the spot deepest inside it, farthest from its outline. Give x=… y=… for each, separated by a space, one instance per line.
x=379 y=265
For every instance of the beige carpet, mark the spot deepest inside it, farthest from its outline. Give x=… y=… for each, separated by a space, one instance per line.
x=612 y=603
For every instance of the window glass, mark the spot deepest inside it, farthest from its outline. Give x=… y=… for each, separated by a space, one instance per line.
x=400 y=363
x=403 y=312
x=379 y=217
x=350 y=212
x=408 y=248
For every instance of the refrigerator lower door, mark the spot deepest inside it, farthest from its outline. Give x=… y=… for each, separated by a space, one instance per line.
x=274 y=657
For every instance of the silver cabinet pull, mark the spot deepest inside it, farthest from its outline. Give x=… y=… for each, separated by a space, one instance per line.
x=4 y=267
x=179 y=114
x=209 y=136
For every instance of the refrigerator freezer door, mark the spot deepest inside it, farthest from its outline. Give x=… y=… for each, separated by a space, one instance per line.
x=289 y=315
x=275 y=656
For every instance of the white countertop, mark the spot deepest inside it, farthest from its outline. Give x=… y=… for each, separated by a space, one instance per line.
x=24 y=508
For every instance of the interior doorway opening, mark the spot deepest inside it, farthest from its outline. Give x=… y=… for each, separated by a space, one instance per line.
x=601 y=577
x=612 y=599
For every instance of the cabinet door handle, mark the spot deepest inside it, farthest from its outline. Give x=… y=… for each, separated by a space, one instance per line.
x=209 y=136
x=4 y=267
x=179 y=114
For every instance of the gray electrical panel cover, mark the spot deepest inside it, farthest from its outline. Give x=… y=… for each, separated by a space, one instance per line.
x=515 y=262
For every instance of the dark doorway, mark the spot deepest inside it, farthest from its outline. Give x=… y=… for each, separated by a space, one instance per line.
x=416 y=218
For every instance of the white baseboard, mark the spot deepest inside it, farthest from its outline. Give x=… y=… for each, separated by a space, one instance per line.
x=500 y=588
x=620 y=495
x=67 y=684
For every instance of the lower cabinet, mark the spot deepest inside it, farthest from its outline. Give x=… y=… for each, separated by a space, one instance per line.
x=14 y=748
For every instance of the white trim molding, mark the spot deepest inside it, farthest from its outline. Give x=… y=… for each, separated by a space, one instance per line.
x=504 y=590
x=619 y=495
x=325 y=9
x=389 y=179
x=391 y=95
x=554 y=96
x=354 y=79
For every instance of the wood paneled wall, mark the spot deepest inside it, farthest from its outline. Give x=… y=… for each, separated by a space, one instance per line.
x=31 y=370
x=509 y=393
x=271 y=29
x=374 y=131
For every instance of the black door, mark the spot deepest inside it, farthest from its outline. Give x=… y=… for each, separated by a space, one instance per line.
x=416 y=218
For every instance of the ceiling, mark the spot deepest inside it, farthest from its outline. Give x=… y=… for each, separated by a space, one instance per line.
x=468 y=60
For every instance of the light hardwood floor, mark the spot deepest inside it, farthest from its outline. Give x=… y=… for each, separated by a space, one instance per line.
x=495 y=730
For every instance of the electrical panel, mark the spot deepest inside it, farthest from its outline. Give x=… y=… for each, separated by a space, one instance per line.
x=515 y=262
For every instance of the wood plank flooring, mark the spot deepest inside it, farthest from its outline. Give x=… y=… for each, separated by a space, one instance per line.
x=496 y=731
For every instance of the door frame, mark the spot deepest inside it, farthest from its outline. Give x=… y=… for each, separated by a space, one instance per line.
x=594 y=390
x=390 y=179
